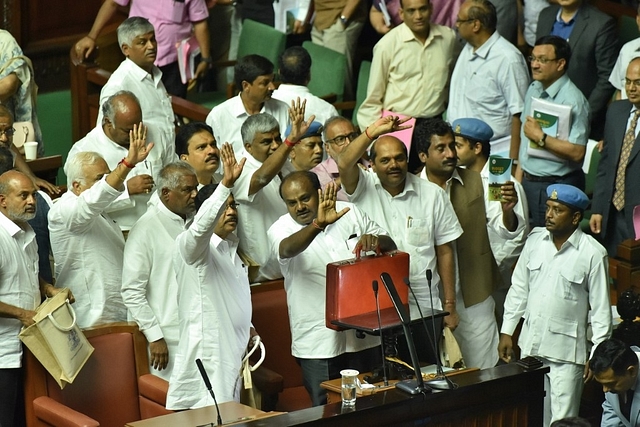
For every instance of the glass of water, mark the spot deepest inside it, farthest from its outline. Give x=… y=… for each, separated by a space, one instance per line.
x=349 y=384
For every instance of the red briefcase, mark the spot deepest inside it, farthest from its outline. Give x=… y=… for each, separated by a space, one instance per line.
x=350 y=296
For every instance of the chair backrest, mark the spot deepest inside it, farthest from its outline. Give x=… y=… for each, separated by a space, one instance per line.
x=260 y=39
x=328 y=70
x=106 y=389
x=361 y=89
x=592 y=170
x=627 y=29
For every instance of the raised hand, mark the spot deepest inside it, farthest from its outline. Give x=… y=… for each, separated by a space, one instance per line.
x=327 y=206
x=386 y=125
x=298 y=125
x=138 y=147
x=509 y=196
x=232 y=168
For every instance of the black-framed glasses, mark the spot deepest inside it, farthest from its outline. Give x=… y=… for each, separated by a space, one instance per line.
x=541 y=60
x=340 y=140
x=7 y=132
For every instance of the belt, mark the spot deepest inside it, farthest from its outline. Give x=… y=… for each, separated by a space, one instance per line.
x=549 y=178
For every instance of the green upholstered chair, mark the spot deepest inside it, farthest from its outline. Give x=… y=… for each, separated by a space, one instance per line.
x=328 y=69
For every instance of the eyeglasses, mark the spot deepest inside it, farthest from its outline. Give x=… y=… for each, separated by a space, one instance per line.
x=7 y=132
x=464 y=21
x=232 y=205
x=342 y=139
x=541 y=60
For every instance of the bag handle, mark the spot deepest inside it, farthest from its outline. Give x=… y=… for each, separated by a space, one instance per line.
x=60 y=327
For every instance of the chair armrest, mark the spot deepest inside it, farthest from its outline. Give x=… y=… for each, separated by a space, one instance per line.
x=153 y=388
x=58 y=415
x=267 y=381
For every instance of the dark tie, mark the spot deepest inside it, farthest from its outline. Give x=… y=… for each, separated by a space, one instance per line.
x=625 y=407
x=627 y=146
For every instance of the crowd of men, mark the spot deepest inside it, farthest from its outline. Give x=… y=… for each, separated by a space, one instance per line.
x=169 y=230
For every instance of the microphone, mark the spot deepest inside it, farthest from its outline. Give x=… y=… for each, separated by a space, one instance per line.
x=207 y=384
x=410 y=386
x=374 y=284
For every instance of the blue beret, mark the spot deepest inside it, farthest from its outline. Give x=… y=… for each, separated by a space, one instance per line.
x=568 y=195
x=314 y=130
x=474 y=129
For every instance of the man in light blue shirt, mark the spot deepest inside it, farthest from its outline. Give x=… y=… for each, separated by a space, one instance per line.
x=549 y=62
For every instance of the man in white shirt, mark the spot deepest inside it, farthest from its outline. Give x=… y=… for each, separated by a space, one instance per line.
x=214 y=300
x=473 y=148
x=149 y=287
x=295 y=75
x=196 y=145
x=137 y=74
x=315 y=232
x=629 y=51
x=478 y=273
x=561 y=288
x=87 y=244
x=253 y=75
x=417 y=214
x=121 y=112
x=491 y=62
x=21 y=288
x=256 y=191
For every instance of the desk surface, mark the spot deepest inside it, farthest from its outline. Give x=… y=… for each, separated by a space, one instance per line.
x=231 y=413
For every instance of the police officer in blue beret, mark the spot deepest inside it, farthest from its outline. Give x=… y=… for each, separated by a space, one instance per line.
x=307 y=153
x=472 y=142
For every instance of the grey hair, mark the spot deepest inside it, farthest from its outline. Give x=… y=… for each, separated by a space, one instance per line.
x=258 y=123
x=111 y=106
x=76 y=164
x=329 y=121
x=169 y=176
x=131 y=28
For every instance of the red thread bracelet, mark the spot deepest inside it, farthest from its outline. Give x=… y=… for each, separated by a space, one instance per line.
x=366 y=132
x=127 y=164
x=289 y=143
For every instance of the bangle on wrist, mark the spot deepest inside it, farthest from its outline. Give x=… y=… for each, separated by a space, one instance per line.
x=366 y=132
x=208 y=60
x=91 y=38
x=289 y=143
x=449 y=302
x=127 y=164
x=316 y=225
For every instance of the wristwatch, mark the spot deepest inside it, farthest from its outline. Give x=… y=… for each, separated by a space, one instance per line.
x=208 y=60
x=344 y=20
x=542 y=140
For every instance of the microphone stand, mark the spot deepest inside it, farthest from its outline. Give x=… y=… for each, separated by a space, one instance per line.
x=441 y=381
x=384 y=361
x=207 y=384
x=416 y=386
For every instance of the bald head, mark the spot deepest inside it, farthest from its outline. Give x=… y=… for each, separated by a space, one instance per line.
x=17 y=196
x=121 y=111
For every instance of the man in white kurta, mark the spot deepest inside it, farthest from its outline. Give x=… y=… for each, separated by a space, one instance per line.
x=318 y=222
x=87 y=244
x=20 y=288
x=149 y=287
x=137 y=74
x=110 y=140
x=253 y=75
x=214 y=301
x=561 y=277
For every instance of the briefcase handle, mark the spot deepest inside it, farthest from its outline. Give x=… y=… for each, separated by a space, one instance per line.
x=60 y=327
x=378 y=253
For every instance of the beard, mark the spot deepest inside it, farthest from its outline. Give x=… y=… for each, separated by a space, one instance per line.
x=16 y=215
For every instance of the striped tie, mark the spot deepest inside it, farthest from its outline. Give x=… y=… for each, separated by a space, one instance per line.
x=627 y=146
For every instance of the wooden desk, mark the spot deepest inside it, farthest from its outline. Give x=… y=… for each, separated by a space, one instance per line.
x=46 y=167
x=503 y=396
x=231 y=413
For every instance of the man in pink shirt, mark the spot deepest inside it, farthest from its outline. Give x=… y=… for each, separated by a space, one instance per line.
x=173 y=22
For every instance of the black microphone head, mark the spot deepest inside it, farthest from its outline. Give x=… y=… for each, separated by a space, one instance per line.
x=429 y=275
x=203 y=373
x=406 y=281
x=374 y=284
